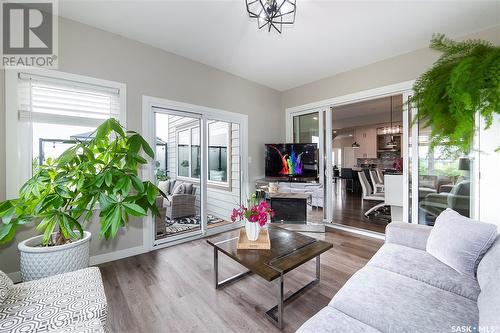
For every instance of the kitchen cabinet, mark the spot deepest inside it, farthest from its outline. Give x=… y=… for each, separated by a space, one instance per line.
x=367 y=139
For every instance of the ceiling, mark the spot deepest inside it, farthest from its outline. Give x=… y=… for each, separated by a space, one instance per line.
x=328 y=37
x=371 y=112
x=375 y=111
x=379 y=107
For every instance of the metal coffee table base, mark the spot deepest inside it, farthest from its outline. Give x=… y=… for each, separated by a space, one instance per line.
x=275 y=314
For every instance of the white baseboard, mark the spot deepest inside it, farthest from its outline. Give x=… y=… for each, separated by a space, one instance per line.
x=116 y=255
x=356 y=231
x=96 y=260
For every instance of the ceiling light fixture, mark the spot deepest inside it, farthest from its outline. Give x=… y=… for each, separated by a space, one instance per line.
x=392 y=143
x=393 y=129
x=272 y=13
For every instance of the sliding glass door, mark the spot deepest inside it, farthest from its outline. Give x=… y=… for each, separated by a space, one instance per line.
x=177 y=170
x=313 y=127
x=440 y=178
x=224 y=172
x=306 y=128
x=199 y=166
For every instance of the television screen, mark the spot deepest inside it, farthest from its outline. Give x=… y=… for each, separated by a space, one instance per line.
x=291 y=160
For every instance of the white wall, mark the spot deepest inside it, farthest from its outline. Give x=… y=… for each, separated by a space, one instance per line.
x=150 y=71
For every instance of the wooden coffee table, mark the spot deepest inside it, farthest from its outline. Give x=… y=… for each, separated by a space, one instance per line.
x=289 y=250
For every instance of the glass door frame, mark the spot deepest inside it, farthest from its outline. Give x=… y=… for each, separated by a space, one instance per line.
x=326 y=109
x=324 y=127
x=413 y=177
x=150 y=105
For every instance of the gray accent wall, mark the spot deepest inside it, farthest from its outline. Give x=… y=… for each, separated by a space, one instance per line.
x=146 y=70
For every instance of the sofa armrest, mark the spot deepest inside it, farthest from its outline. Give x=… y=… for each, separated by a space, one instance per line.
x=407 y=234
x=159 y=202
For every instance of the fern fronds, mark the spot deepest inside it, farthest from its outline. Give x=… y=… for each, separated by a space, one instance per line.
x=464 y=81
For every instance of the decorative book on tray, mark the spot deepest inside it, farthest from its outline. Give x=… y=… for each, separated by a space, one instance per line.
x=262 y=243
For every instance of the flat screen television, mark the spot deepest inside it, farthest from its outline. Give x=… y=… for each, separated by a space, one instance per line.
x=291 y=160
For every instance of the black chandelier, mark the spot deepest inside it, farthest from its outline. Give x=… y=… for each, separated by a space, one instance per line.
x=272 y=13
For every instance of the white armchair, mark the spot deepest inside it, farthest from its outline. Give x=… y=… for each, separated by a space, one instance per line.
x=368 y=193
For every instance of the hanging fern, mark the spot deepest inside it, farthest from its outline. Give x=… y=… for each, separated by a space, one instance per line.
x=463 y=82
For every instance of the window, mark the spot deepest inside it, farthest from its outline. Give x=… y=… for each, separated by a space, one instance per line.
x=161 y=140
x=218 y=157
x=195 y=153
x=306 y=128
x=189 y=153
x=54 y=110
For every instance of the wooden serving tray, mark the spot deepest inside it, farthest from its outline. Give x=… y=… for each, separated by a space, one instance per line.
x=262 y=243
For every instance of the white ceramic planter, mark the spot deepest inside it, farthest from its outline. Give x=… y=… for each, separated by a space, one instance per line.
x=42 y=261
x=252 y=229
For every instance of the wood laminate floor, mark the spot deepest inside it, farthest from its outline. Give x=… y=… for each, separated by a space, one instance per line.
x=171 y=289
x=348 y=210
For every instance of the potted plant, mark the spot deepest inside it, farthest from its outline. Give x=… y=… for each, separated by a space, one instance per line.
x=256 y=216
x=61 y=197
x=464 y=81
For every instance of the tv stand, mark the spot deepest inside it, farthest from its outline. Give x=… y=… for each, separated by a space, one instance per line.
x=290 y=179
x=311 y=186
x=289 y=207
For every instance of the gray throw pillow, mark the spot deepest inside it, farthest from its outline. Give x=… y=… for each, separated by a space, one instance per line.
x=189 y=188
x=459 y=241
x=164 y=186
x=426 y=183
x=179 y=189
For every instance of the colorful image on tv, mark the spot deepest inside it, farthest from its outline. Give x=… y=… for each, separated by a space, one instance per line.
x=291 y=160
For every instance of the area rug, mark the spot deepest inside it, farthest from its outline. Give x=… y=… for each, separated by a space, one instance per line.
x=187 y=223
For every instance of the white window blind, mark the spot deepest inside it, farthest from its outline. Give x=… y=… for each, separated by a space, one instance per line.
x=63 y=101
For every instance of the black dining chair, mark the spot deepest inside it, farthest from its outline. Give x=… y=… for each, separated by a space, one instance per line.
x=348 y=175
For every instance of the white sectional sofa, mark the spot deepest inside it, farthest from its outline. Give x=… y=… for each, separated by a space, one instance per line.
x=405 y=289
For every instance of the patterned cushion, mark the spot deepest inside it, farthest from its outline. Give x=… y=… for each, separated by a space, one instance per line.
x=179 y=189
x=89 y=326
x=164 y=186
x=5 y=286
x=55 y=302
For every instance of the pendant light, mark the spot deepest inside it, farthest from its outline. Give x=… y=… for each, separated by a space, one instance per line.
x=355 y=145
x=272 y=14
x=392 y=143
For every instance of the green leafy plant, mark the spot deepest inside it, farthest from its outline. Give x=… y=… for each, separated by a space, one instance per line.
x=463 y=82
x=63 y=193
x=161 y=174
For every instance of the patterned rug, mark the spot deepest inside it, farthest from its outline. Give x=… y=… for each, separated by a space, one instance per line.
x=187 y=223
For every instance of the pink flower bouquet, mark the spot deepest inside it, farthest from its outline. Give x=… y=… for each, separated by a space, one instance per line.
x=255 y=212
